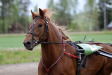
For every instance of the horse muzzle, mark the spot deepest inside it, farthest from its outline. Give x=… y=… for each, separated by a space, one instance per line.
x=30 y=45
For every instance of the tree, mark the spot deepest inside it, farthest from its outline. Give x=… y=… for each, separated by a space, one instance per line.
x=5 y=8
x=35 y=8
x=51 y=4
x=13 y=12
x=87 y=19
x=92 y=13
x=105 y=14
x=64 y=10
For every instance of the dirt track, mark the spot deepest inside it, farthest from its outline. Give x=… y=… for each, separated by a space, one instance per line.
x=19 y=69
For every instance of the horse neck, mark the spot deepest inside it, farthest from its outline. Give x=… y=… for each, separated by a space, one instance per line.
x=51 y=52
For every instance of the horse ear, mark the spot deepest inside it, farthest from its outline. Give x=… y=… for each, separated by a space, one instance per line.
x=33 y=14
x=41 y=12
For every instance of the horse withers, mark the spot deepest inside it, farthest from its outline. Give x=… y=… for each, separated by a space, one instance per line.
x=54 y=45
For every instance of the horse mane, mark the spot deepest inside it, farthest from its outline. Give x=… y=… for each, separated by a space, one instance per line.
x=49 y=14
x=65 y=37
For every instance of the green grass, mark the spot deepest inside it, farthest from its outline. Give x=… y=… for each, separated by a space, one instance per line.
x=11 y=41
x=19 y=56
x=13 y=51
x=99 y=37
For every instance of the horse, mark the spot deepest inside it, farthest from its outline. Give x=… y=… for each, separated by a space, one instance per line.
x=59 y=57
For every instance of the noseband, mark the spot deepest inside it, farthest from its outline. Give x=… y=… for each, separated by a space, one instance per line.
x=37 y=35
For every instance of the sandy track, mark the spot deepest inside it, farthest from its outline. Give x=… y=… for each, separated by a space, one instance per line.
x=19 y=69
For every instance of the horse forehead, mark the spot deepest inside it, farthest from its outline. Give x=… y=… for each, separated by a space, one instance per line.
x=38 y=21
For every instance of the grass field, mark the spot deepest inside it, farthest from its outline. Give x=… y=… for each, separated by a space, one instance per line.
x=19 y=56
x=105 y=37
x=11 y=41
x=16 y=41
x=13 y=51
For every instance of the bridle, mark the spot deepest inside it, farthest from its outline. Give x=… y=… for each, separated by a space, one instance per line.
x=40 y=42
x=37 y=35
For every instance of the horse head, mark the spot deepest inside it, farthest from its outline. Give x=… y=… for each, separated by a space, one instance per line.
x=37 y=29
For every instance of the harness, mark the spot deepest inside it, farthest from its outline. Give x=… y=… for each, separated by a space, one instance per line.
x=49 y=68
x=79 y=52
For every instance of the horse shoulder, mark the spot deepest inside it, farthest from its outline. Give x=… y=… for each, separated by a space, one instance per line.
x=65 y=66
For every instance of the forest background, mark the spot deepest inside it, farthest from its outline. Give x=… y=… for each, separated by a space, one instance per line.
x=15 y=18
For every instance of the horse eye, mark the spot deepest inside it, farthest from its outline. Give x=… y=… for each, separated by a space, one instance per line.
x=40 y=25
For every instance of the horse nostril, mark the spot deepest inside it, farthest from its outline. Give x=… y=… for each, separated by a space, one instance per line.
x=27 y=43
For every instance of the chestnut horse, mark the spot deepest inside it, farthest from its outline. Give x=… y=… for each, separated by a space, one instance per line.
x=54 y=61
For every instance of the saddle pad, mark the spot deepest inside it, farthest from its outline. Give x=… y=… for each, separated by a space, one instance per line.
x=89 y=49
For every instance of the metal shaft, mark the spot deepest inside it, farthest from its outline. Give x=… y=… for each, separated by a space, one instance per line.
x=104 y=54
